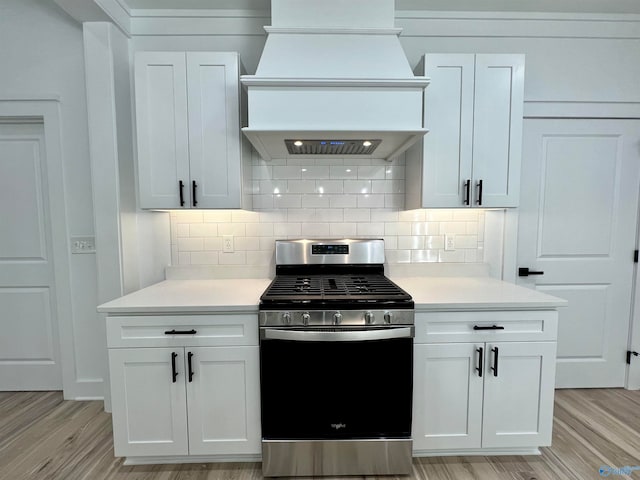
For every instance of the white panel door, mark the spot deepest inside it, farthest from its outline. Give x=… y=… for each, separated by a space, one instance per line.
x=578 y=225
x=29 y=351
x=497 y=129
x=518 y=397
x=447 y=396
x=162 y=129
x=449 y=118
x=224 y=400
x=149 y=404
x=214 y=129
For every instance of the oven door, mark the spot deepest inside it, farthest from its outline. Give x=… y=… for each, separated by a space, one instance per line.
x=336 y=383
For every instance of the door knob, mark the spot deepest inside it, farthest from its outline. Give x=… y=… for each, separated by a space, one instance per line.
x=525 y=272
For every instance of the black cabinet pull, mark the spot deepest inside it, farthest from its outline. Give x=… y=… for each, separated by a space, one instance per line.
x=495 y=361
x=180 y=332
x=194 y=185
x=189 y=355
x=181 y=189
x=467 y=187
x=480 y=360
x=479 y=192
x=484 y=327
x=174 y=372
x=525 y=272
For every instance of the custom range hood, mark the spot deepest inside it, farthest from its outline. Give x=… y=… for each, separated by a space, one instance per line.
x=333 y=80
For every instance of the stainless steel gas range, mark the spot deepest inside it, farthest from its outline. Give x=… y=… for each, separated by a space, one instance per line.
x=336 y=362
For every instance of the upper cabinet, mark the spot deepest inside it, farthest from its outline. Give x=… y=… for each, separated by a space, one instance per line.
x=188 y=112
x=471 y=155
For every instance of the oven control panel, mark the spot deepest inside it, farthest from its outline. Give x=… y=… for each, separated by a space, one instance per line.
x=306 y=318
x=324 y=249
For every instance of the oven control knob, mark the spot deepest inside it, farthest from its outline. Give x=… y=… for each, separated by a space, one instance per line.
x=305 y=318
x=369 y=318
x=337 y=318
x=286 y=318
x=388 y=316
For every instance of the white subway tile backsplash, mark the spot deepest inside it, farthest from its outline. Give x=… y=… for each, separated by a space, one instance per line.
x=370 y=229
x=424 y=256
x=263 y=202
x=410 y=242
x=287 y=201
x=204 y=258
x=372 y=172
x=324 y=187
x=202 y=230
x=344 y=172
x=332 y=215
x=342 y=229
x=282 y=230
x=357 y=215
x=302 y=186
x=310 y=230
x=384 y=215
x=216 y=216
x=235 y=258
x=259 y=229
x=235 y=229
x=190 y=244
x=394 y=172
x=315 y=201
x=371 y=201
x=328 y=197
x=213 y=244
x=316 y=172
x=357 y=186
x=343 y=201
x=287 y=172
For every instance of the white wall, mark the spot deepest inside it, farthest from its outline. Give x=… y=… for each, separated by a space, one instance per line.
x=41 y=55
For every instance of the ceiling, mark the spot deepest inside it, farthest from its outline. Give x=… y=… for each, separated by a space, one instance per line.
x=570 y=6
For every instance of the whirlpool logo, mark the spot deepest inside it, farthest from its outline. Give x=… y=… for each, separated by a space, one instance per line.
x=338 y=426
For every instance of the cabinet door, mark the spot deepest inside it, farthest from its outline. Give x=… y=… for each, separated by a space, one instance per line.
x=162 y=129
x=518 y=399
x=449 y=118
x=149 y=406
x=497 y=129
x=224 y=401
x=214 y=129
x=447 y=396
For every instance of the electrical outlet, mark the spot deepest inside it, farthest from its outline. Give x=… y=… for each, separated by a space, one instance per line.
x=227 y=243
x=449 y=242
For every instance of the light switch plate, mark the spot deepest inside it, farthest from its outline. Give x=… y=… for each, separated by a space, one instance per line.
x=84 y=244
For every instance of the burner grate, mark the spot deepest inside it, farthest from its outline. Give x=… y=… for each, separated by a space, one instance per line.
x=334 y=287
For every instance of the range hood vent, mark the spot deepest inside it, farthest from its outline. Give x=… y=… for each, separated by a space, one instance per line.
x=333 y=75
x=331 y=147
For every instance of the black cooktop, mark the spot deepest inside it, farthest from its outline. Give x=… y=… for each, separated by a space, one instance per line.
x=349 y=290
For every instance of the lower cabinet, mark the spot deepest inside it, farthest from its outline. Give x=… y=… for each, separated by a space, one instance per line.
x=186 y=400
x=485 y=394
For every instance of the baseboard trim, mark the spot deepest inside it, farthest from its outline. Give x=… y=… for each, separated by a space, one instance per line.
x=192 y=459
x=476 y=452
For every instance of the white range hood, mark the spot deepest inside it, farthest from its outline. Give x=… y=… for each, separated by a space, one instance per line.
x=333 y=80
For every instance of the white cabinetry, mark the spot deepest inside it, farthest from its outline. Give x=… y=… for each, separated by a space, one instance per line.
x=483 y=381
x=188 y=115
x=184 y=393
x=471 y=155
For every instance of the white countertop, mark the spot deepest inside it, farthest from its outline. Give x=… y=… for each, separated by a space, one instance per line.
x=473 y=293
x=233 y=295
x=220 y=295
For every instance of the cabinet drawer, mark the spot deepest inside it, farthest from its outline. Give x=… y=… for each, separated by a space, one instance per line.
x=210 y=330
x=518 y=326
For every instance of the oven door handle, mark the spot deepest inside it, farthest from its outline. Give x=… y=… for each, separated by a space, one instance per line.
x=347 y=336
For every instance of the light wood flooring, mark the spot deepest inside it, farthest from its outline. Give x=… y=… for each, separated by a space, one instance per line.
x=44 y=437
